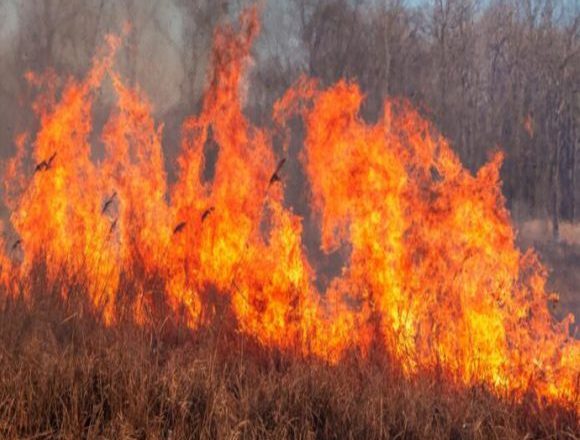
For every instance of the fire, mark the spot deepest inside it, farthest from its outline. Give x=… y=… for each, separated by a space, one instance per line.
x=433 y=276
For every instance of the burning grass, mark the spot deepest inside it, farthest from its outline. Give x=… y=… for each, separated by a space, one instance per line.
x=212 y=277
x=67 y=376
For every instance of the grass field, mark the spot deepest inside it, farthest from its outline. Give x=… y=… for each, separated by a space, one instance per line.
x=562 y=260
x=64 y=375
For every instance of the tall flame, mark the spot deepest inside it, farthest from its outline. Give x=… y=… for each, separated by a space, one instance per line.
x=433 y=276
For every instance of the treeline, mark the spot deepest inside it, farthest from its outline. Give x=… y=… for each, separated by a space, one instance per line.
x=495 y=74
x=504 y=75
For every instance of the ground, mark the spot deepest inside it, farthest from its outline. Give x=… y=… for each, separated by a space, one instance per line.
x=562 y=260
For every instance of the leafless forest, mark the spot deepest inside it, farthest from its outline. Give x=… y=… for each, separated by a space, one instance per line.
x=497 y=74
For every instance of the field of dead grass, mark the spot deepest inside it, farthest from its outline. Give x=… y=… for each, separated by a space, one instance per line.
x=562 y=260
x=66 y=376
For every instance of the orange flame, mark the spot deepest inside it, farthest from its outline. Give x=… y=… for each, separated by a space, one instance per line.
x=433 y=276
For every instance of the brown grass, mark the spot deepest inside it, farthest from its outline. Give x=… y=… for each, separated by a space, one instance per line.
x=562 y=260
x=64 y=375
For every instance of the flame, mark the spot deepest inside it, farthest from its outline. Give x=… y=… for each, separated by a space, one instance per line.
x=433 y=277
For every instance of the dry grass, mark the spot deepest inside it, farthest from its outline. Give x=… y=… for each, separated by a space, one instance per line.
x=66 y=376
x=562 y=260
